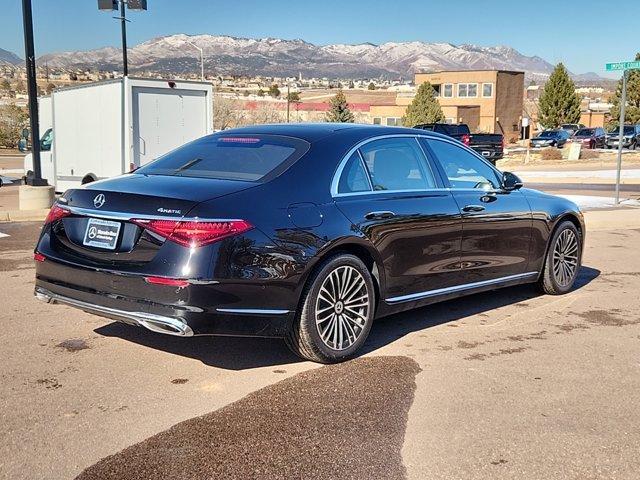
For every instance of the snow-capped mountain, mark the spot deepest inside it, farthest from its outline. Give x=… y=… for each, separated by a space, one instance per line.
x=10 y=58
x=278 y=57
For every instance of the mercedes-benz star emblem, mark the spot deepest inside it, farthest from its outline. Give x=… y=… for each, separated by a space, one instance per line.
x=99 y=200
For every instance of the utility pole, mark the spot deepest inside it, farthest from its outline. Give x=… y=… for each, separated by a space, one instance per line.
x=288 y=100
x=32 y=90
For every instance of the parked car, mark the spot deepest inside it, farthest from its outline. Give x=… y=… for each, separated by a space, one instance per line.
x=631 y=137
x=572 y=128
x=306 y=232
x=489 y=145
x=590 y=137
x=550 y=138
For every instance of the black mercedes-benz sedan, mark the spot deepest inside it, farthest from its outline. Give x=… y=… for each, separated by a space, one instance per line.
x=305 y=232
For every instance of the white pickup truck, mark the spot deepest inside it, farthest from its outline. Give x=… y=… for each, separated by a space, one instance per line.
x=104 y=129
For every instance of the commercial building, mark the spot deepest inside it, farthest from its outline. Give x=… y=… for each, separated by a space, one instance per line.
x=488 y=101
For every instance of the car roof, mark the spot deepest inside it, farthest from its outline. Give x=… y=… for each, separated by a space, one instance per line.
x=312 y=132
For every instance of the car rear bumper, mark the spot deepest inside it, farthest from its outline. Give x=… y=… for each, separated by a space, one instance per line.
x=209 y=308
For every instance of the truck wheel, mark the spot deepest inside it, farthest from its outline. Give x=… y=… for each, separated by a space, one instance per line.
x=87 y=179
x=336 y=313
x=563 y=260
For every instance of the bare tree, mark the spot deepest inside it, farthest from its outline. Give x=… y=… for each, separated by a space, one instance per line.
x=227 y=113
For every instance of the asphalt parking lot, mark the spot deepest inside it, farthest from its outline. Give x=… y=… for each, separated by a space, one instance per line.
x=507 y=384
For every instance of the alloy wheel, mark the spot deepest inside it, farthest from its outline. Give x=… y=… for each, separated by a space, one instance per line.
x=565 y=257
x=342 y=308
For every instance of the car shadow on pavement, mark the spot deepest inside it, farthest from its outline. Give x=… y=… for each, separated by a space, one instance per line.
x=394 y=327
x=231 y=353
x=239 y=353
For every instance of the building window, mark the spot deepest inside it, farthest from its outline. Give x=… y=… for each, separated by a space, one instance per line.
x=447 y=90
x=467 y=90
x=394 y=121
x=436 y=89
x=377 y=121
x=450 y=120
x=487 y=90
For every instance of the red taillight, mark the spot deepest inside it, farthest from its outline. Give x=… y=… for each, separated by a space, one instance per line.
x=171 y=282
x=466 y=139
x=194 y=233
x=38 y=257
x=56 y=213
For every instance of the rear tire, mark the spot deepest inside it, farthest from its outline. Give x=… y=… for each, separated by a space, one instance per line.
x=563 y=260
x=337 y=310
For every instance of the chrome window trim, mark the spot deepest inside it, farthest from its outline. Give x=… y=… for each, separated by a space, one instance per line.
x=457 y=288
x=338 y=173
x=125 y=216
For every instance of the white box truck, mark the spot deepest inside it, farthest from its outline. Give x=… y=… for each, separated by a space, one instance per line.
x=45 y=125
x=108 y=128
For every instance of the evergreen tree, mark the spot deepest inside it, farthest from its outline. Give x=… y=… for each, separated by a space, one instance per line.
x=559 y=102
x=5 y=85
x=372 y=86
x=274 y=91
x=424 y=108
x=339 y=112
x=632 y=112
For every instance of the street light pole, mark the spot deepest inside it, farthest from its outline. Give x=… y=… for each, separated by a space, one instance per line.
x=623 y=104
x=32 y=90
x=123 y=19
x=201 y=59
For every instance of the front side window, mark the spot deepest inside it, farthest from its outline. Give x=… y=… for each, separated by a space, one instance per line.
x=47 y=140
x=397 y=164
x=462 y=168
x=240 y=157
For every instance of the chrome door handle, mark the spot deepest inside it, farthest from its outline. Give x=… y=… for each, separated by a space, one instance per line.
x=382 y=215
x=473 y=208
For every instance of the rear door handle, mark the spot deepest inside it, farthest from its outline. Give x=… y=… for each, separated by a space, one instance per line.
x=382 y=215
x=473 y=208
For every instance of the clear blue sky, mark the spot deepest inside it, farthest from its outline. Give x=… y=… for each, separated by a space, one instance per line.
x=582 y=34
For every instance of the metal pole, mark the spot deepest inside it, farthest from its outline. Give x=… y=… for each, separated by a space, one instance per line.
x=288 y=101
x=201 y=64
x=623 y=104
x=123 y=19
x=32 y=90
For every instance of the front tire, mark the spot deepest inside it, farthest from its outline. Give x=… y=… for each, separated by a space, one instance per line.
x=563 y=261
x=337 y=311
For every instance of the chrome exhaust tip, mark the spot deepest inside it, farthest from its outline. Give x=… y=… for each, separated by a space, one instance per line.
x=43 y=297
x=168 y=326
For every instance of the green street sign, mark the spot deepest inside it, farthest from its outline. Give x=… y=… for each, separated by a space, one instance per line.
x=622 y=66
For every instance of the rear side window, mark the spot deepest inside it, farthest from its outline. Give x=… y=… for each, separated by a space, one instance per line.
x=397 y=164
x=354 y=176
x=242 y=157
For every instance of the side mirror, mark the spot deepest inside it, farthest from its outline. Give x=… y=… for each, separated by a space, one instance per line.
x=510 y=181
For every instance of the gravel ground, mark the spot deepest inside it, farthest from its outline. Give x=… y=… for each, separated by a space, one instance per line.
x=319 y=424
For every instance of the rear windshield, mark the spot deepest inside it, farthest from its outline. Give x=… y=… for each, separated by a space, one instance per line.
x=237 y=157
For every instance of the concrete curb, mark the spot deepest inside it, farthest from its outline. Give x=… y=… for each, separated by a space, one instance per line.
x=23 y=215
x=617 y=219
